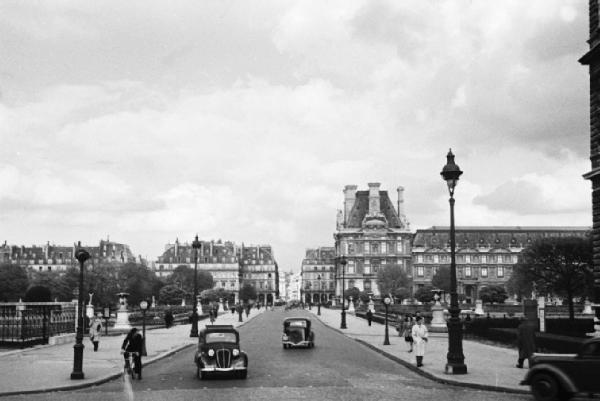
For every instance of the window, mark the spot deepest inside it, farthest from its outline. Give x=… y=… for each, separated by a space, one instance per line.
x=484 y=272
x=419 y=258
x=475 y=259
x=375 y=265
x=366 y=246
x=383 y=247
x=492 y=259
x=515 y=258
x=428 y=258
x=444 y=258
x=375 y=248
x=420 y=272
x=367 y=285
x=460 y=258
x=351 y=269
x=483 y=259
x=351 y=248
x=467 y=271
x=500 y=271
x=367 y=269
x=467 y=258
x=436 y=259
x=399 y=247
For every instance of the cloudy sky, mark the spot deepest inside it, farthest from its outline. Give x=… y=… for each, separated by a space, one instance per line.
x=243 y=120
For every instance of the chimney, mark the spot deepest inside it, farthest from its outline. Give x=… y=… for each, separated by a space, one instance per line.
x=349 y=198
x=401 y=213
x=176 y=247
x=374 y=204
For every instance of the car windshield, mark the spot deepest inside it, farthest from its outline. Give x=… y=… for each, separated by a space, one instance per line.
x=220 y=338
x=298 y=323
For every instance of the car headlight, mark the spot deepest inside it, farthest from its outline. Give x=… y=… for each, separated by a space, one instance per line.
x=211 y=352
x=236 y=352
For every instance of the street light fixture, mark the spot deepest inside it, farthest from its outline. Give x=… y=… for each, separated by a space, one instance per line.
x=143 y=307
x=319 y=293
x=196 y=246
x=386 y=302
x=81 y=255
x=343 y=263
x=455 y=357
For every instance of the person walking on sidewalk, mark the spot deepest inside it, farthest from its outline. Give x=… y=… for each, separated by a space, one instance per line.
x=168 y=318
x=369 y=316
x=96 y=330
x=525 y=341
x=419 y=335
x=407 y=331
x=133 y=342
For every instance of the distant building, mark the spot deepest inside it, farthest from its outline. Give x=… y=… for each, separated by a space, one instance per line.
x=484 y=255
x=318 y=275
x=60 y=257
x=372 y=234
x=231 y=266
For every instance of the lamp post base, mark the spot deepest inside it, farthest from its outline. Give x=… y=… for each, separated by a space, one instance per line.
x=343 y=325
x=456 y=369
x=194 y=331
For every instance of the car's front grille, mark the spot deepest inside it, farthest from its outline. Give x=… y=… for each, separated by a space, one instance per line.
x=223 y=358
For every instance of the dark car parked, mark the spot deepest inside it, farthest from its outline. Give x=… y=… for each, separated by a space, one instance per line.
x=561 y=376
x=219 y=353
x=297 y=333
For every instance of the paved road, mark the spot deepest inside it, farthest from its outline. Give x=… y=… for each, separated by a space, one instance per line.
x=338 y=368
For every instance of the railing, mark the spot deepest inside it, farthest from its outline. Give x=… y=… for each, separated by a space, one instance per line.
x=24 y=324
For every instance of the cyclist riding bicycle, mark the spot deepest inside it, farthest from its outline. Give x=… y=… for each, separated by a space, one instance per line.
x=133 y=343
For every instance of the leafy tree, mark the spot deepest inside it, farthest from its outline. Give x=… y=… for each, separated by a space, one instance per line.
x=441 y=279
x=53 y=281
x=213 y=295
x=38 y=293
x=248 y=292
x=561 y=266
x=138 y=281
x=391 y=278
x=519 y=284
x=401 y=294
x=171 y=294
x=353 y=292
x=183 y=275
x=424 y=294
x=493 y=294
x=13 y=282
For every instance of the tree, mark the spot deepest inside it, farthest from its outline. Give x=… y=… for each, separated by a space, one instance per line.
x=424 y=294
x=519 y=284
x=213 y=295
x=247 y=293
x=13 y=282
x=493 y=294
x=183 y=276
x=171 y=295
x=391 y=278
x=401 y=294
x=138 y=281
x=441 y=279
x=353 y=292
x=560 y=266
x=53 y=280
x=38 y=293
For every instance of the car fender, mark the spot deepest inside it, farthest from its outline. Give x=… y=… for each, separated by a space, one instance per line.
x=564 y=380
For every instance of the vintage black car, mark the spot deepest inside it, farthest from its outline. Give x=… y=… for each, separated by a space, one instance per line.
x=297 y=333
x=561 y=376
x=219 y=353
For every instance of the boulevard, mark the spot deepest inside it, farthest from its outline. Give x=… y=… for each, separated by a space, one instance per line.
x=338 y=368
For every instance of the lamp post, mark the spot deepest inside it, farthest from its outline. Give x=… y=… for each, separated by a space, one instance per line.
x=386 y=302
x=196 y=246
x=143 y=307
x=455 y=358
x=319 y=293
x=81 y=255
x=343 y=263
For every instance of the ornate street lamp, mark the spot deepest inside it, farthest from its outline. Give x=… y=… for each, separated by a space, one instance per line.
x=343 y=263
x=319 y=293
x=455 y=358
x=143 y=307
x=386 y=302
x=81 y=255
x=196 y=246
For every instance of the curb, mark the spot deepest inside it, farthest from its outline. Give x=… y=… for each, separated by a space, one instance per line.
x=106 y=378
x=423 y=373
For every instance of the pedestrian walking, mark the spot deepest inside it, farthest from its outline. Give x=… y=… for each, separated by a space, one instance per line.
x=369 y=316
x=168 y=318
x=407 y=333
x=96 y=330
x=419 y=335
x=133 y=343
x=526 y=341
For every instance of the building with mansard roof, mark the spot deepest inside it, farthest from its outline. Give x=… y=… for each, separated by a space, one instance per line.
x=318 y=275
x=230 y=265
x=50 y=257
x=372 y=233
x=484 y=255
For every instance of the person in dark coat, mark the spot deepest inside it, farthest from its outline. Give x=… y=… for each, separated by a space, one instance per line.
x=526 y=341
x=369 y=316
x=168 y=319
x=134 y=342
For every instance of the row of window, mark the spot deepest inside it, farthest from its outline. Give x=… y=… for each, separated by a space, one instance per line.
x=375 y=247
x=460 y=258
x=484 y=271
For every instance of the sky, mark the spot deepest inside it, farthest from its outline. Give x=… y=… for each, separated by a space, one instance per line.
x=146 y=121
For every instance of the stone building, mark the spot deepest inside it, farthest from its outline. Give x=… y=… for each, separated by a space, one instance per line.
x=230 y=265
x=484 y=255
x=592 y=59
x=372 y=234
x=60 y=257
x=318 y=275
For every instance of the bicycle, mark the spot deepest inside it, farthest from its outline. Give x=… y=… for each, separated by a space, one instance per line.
x=130 y=366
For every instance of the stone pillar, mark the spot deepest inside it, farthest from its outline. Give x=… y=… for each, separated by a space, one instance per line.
x=479 y=307
x=122 y=322
x=542 y=313
x=350 y=305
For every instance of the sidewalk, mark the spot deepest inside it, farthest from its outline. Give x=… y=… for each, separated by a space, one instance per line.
x=488 y=367
x=48 y=368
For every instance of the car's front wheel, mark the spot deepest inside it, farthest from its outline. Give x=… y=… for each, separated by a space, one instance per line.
x=545 y=387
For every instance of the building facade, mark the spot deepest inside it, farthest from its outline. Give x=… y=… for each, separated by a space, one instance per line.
x=231 y=266
x=318 y=275
x=372 y=234
x=484 y=255
x=60 y=257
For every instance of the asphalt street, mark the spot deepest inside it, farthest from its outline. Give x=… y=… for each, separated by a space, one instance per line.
x=338 y=368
